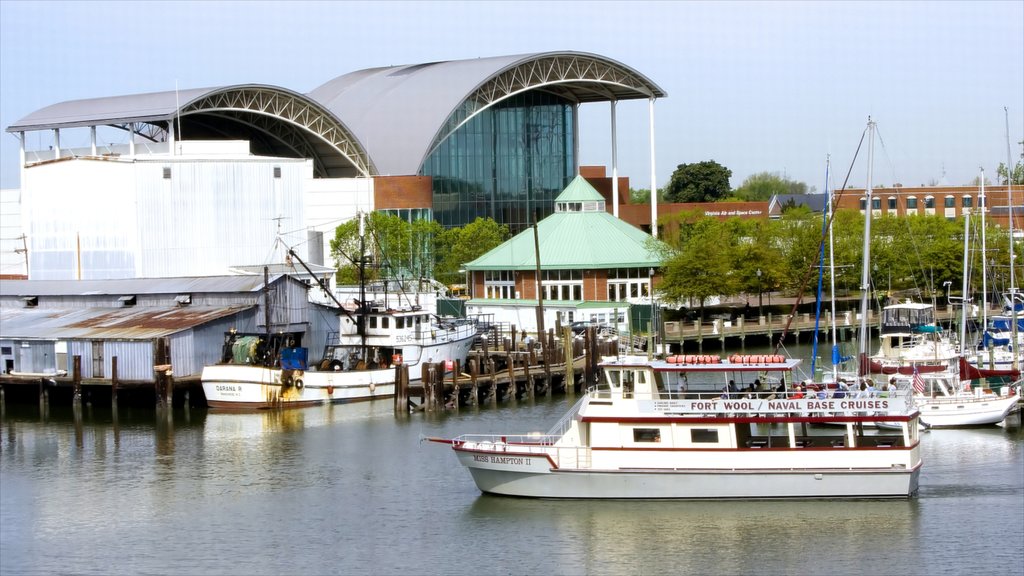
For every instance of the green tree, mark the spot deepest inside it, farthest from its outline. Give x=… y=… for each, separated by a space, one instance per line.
x=393 y=248
x=703 y=267
x=706 y=181
x=763 y=186
x=457 y=246
x=643 y=195
x=1017 y=174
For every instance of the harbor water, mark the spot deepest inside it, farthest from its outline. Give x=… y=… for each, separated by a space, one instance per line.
x=351 y=489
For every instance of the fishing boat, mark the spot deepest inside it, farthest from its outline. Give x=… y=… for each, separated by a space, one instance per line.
x=361 y=363
x=643 y=433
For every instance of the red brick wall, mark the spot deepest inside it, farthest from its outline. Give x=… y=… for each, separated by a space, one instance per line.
x=402 y=192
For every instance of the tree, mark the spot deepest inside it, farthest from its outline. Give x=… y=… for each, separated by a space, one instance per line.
x=706 y=181
x=643 y=195
x=1017 y=175
x=703 y=267
x=456 y=246
x=394 y=248
x=763 y=186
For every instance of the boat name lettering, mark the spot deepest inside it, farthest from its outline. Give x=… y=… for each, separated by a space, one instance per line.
x=517 y=460
x=227 y=388
x=405 y=339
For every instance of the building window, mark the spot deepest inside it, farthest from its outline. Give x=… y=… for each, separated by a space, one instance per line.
x=949 y=202
x=508 y=161
x=891 y=202
x=911 y=203
x=167 y=172
x=966 y=201
x=277 y=171
x=628 y=283
x=863 y=204
x=562 y=284
x=929 y=202
x=876 y=203
x=499 y=284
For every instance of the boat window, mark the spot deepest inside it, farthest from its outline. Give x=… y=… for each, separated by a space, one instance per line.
x=373 y=321
x=646 y=435
x=399 y=322
x=704 y=435
x=384 y=322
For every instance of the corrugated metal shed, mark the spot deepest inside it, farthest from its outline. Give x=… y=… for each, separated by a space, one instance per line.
x=185 y=285
x=113 y=323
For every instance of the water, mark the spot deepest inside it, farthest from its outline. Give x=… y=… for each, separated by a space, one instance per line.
x=350 y=489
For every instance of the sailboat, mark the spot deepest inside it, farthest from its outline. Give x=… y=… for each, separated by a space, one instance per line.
x=373 y=339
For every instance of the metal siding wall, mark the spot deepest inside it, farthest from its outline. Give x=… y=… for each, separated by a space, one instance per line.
x=183 y=359
x=81 y=348
x=33 y=356
x=134 y=359
x=213 y=214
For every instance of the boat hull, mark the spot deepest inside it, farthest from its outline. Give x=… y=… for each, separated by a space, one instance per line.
x=955 y=412
x=532 y=476
x=248 y=387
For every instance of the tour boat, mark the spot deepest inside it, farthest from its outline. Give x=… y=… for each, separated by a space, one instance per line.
x=644 y=433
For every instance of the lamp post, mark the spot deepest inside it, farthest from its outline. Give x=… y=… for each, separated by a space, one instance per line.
x=760 y=303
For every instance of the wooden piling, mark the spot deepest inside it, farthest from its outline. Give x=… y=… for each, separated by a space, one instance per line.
x=113 y=382
x=569 y=354
x=76 y=381
x=455 y=385
x=474 y=373
x=401 y=400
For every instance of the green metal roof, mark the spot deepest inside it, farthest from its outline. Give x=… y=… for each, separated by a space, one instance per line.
x=575 y=240
x=579 y=190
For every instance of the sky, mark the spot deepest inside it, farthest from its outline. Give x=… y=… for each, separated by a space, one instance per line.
x=755 y=86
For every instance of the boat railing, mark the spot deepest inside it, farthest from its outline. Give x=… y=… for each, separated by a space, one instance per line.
x=563 y=424
x=519 y=444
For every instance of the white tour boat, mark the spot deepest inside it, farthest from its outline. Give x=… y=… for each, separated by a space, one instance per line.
x=644 y=433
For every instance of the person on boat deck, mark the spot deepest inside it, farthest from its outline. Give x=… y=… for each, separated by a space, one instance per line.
x=751 y=390
x=891 y=388
x=725 y=392
x=863 y=393
x=732 y=386
x=823 y=393
x=757 y=384
x=797 y=393
x=841 y=389
x=871 y=390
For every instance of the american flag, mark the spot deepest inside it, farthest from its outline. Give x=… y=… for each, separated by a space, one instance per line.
x=918 y=381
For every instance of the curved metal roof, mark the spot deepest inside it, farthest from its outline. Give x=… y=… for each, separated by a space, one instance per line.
x=403 y=112
x=276 y=121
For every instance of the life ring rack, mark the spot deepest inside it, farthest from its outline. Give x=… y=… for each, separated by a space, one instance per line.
x=693 y=359
x=757 y=359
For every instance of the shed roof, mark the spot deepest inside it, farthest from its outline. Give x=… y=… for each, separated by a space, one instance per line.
x=184 y=285
x=575 y=240
x=115 y=323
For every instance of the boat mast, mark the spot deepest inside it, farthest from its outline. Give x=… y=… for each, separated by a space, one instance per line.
x=821 y=273
x=984 y=256
x=866 y=260
x=963 y=290
x=832 y=276
x=1013 y=284
x=363 y=309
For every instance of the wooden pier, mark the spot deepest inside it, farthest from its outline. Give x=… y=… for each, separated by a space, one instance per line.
x=519 y=370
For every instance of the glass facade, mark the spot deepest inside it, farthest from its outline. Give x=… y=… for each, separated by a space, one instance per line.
x=504 y=163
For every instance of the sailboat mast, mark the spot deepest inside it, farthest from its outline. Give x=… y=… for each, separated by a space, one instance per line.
x=984 y=255
x=866 y=260
x=1013 y=283
x=832 y=274
x=963 y=290
x=821 y=273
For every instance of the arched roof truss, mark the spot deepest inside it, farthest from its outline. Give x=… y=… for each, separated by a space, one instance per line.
x=262 y=107
x=577 y=77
